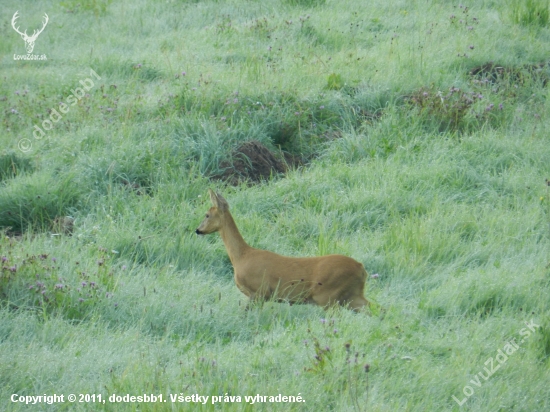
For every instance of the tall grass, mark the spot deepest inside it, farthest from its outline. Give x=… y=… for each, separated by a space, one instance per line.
x=530 y=12
x=421 y=130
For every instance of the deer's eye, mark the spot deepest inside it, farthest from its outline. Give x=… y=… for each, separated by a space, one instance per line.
x=207 y=215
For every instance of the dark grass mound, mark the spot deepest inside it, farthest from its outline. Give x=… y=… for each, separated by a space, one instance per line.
x=491 y=88
x=12 y=165
x=34 y=202
x=518 y=75
x=251 y=162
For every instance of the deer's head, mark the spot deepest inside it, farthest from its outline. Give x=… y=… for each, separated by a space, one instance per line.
x=213 y=221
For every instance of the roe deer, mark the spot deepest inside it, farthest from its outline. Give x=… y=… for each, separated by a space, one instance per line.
x=262 y=275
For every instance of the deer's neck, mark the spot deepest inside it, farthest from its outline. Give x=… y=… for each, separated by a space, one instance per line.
x=232 y=239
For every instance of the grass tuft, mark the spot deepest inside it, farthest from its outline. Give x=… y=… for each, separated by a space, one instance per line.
x=530 y=12
x=411 y=136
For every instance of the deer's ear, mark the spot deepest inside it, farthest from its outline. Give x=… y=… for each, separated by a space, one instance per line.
x=222 y=203
x=213 y=197
x=218 y=201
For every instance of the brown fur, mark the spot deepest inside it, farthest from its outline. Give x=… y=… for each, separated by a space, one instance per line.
x=261 y=275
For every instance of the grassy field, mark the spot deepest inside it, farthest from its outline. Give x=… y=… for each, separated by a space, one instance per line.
x=416 y=135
